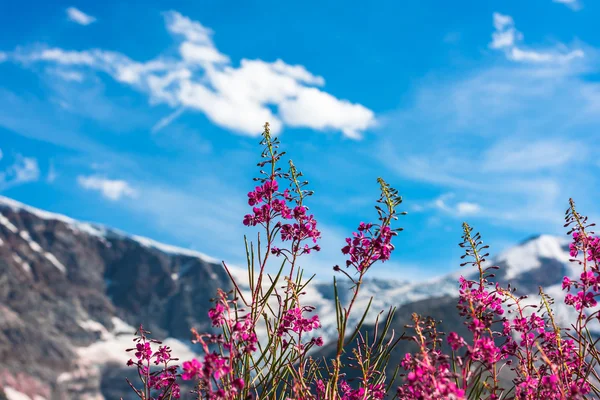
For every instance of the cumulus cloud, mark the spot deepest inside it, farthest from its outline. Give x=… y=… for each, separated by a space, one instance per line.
x=23 y=170
x=506 y=38
x=109 y=188
x=240 y=98
x=79 y=16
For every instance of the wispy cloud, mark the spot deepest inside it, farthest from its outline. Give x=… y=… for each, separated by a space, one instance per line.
x=530 y=156
x=506 y=38
x=447 y=204
x=572 y=4
x=79 y=16
x=23 y=170
x=204 y=79
x=109 y=188
x=166 y=121
x=68 y=75
x=52 y=174
x=515 y=137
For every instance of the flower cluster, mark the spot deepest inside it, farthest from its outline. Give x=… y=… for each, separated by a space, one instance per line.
x=428 y=375
x=367 y=247
x=504 y=331
x=294 y=321
x=588 y=286
x=213 y=368
x=304 y=226
x=269 y=204
x=161 y=383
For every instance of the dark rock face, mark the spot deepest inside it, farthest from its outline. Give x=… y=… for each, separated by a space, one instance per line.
x=549 y=273
x=63 y=282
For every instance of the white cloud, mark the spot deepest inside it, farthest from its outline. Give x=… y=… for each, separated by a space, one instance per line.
x=110 y=189
x=517 y=54
x=79 y=16
x=506 y=36
x=26 y=169
x=466 y=208
x=3 y=56
x=203 y=79
x=191 y=30
x=23 y=170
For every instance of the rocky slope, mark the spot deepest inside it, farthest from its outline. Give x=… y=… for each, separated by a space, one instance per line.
x=71 y=292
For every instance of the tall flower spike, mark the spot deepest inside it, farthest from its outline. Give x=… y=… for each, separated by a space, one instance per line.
x=372 y=242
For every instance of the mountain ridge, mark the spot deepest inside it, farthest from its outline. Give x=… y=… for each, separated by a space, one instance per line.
x=71 y=293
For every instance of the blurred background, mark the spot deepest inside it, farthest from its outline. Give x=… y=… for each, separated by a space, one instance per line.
x=143 y=118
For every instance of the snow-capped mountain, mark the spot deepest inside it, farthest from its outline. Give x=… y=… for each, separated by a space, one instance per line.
x=71 y=294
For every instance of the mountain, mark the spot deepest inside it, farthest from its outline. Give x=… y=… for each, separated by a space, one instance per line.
x=71 y=294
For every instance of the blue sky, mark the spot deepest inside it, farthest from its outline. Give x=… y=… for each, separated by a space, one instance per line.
x=145 y=116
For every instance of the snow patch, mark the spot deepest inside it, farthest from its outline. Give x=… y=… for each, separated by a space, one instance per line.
x=72 y=223
x=76 y=378
x=166 y=248
x=34 y=245
x=96 y=230
x=93 y=326
x=13 y=394
x=50 y=257
x=111 y=348
x=9 y=225
x=25 y=265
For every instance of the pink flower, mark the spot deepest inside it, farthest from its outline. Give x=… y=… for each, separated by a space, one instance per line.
x=191 y=370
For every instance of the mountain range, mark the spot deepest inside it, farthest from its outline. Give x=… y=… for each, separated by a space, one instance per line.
x=72 y=293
